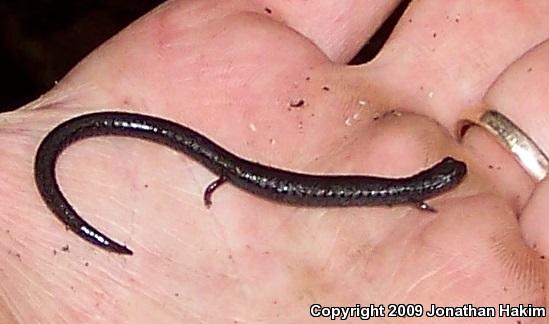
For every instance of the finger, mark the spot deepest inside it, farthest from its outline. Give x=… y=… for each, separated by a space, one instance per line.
x=338 y=28
x=521 y=95
x=444 y=55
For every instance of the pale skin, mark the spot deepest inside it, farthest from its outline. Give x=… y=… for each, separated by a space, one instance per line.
x=231 y=70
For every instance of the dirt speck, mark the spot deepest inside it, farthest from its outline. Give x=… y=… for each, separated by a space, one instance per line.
x=297 y=104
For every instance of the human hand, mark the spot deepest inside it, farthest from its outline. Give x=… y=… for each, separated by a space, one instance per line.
x=235 y=72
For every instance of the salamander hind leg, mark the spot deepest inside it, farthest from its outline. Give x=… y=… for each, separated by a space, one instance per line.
x=211 y=188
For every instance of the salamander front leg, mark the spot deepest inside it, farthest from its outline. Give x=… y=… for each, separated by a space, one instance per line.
x=211 y=188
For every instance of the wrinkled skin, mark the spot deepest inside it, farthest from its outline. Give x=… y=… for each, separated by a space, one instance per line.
x=230 y=70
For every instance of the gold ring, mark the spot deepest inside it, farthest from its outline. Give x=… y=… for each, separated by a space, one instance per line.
x=525 y=150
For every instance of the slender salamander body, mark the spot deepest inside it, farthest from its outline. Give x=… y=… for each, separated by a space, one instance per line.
x=268 y=182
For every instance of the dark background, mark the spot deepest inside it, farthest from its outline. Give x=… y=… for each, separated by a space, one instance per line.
x=42 y=40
